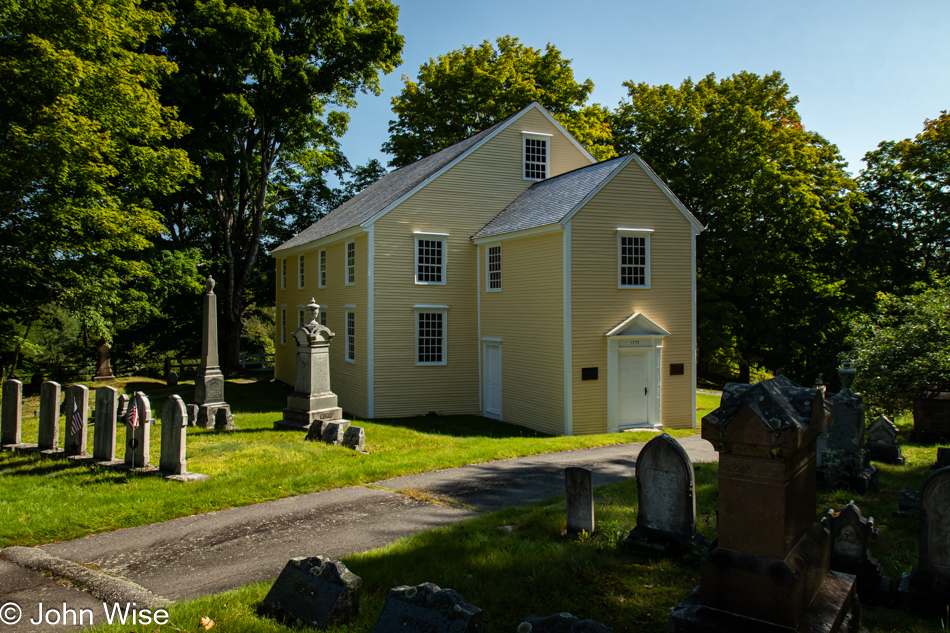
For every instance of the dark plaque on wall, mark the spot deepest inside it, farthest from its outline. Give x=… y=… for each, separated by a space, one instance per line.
x=677 y=369
x=588 y=373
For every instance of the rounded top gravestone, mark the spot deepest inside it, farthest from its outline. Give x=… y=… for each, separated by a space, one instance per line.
x=935 y=524
x=665 y=484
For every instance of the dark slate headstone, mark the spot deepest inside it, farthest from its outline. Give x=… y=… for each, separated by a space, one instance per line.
x=927 y=586
x=314 y=591
x=666 y=513
x=12 y=413
x=943 y=458
x=171 y=379
x=882 y=441
x=579 y=484
x=908 y=503
x=560 y=623
x=850 y=536
x=315 y=432
x=426 y=608
x=843 y=459
x=355 y=438
x=931 y=417
x=333 y=432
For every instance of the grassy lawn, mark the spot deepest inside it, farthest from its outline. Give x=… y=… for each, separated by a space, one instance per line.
x=532 y=569
x=256 y=463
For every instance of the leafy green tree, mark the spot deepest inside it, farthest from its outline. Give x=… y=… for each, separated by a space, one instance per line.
x=257 y=82
x=84 y=146
x=472 y=88
x=777 y=204
x=903 y=346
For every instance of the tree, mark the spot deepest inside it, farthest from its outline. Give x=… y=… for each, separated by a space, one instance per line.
x=257 y=82
x=467 y=90
x=777 y=205
x=903 y=347
x=82 y=152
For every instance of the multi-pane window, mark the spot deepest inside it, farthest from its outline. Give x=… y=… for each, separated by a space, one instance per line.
x=494 y=268
x=634 y=256
x=430 y=259
x=322 y=278
x=350 y=263
x=300 y=318
x=283 y=273
x=430 y=338
x=323 y=317
x=535 y=158
x=300 y=271
x=351 y=336
x=283 y=326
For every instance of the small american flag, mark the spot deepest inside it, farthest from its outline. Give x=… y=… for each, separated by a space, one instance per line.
x=134 y=416
x=76 y=422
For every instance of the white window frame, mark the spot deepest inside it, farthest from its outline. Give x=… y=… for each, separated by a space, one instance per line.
x=301 y=317
x=300 y=275
x=488 y=271
x=283 y=273
x=322 y=273
x=633 y=232
x=536 y=136
x=420 y=236
x=349 y=269
x=349 y=312
x=283 y=325
x=323 y=316
x=433 y=309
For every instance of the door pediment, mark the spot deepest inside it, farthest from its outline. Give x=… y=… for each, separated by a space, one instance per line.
x=637 y=324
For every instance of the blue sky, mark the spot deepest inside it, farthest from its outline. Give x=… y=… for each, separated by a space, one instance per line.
x=864 y=71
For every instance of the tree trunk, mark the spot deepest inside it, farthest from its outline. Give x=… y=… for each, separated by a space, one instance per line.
x=744 y=372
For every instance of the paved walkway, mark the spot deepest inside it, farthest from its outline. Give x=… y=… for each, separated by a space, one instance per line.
x=209 y=553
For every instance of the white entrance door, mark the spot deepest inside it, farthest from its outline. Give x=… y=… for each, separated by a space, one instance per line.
x=634 y=386
x=492 y=381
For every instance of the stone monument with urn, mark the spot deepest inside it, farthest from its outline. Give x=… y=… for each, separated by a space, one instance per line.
x=209 y=382
x=312 y=402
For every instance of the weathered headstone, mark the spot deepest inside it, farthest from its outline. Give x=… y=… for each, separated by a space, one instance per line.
x=843 y=460
x=908 y=503
x=882 y=441
x=193 y=415
x=138 y=436
x=355 y=438
x=560 y=623
x=103 y=439
x=209 y=381
x=11 y=416
x=123 y=410
x=223 y=420
x=771 y=566
x=579 y=500
x=943 y=458
x=666 y=513
x=174 y=431
x=316 y=591
x=49 y=416
x=103 y=364
x=333 y=432
x=850 y=535
x=171 y=379
x=77 y=416
x=931 y=417
x=927 y=586
x=312 y=401
x=426 y=608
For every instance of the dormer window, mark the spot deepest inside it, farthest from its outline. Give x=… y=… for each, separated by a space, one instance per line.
x=537 y=155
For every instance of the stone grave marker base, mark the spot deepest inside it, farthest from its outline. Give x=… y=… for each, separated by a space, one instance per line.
x=886 y=454
x=302 y=420
x=833 y=610
x=207 y=414
x=923 y=593
x=650 y=540
x=188 y=477
x=862 y=482
x=560 y=623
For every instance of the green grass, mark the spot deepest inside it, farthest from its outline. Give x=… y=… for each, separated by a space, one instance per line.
x=256 y=463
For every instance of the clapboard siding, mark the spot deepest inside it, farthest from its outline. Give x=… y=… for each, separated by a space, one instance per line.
x=631 y=200
x=528 y=316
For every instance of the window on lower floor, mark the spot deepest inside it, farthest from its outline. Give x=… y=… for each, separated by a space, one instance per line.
x=323 y=317
x=283 y=326
x=430 y=337
x=351 y=336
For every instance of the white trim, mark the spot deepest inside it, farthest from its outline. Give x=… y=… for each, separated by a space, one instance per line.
x=621 y=229
x=692 y=281
x=346 y=333
x=429 y=306
x=568 y=350
x=650 y=327
x=529 y=132
x=350 y=306
x=322 y=268
x=645 y=235
x=488 y=287
x=564 y=131
x=603 y=183
x=697 y=225
x=346 y=263
x=444 y=311
x=478 y=317
x=323 y=241
x=545 y=228
x=430 y=237
x=370 y=322
x=547 y=154
x=490 y=339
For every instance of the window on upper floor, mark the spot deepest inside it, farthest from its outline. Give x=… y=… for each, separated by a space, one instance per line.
x=633 y=256
x=537 y=155
x=350 y=263
x=430 y=257
x=431 y=327
x=493 y=268
x=283 y=274
x=300 y=271
x=322 y=274
x=283 y=326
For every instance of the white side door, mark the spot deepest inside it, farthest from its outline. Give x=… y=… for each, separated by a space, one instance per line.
x=492 y=381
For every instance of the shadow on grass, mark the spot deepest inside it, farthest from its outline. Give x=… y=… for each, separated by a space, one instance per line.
x=461 y=426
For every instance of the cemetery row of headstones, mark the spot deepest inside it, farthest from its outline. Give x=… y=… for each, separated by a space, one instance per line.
x=318 y=591
x=110 y=409
x=338 y=433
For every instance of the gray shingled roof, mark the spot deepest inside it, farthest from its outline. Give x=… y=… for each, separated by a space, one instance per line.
x=548 y=201
x=385 y=191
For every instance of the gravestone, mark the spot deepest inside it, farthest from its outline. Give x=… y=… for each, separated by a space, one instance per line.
x=312 y=401
x=666 y=513
x=123 y=411
x=103 y=364
x=316 y=591
x=171 y=379
x=209 y=381
x=843 y=460
x=943 y=458
x=579 y=483
x=11 y=415
x=908 y=503
x=355 y=438
x=770 y=570
x=49 y=417
x=850 y=535
x=137 y=437
x=333 y=432
x=77 y=416
x=560 y=623
x=426 y=608
x=103 y=439
x=172 y=461
x=882 y=441
x=223 y=420
x=927 y=586
x=192 y=415
x=931 y=417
